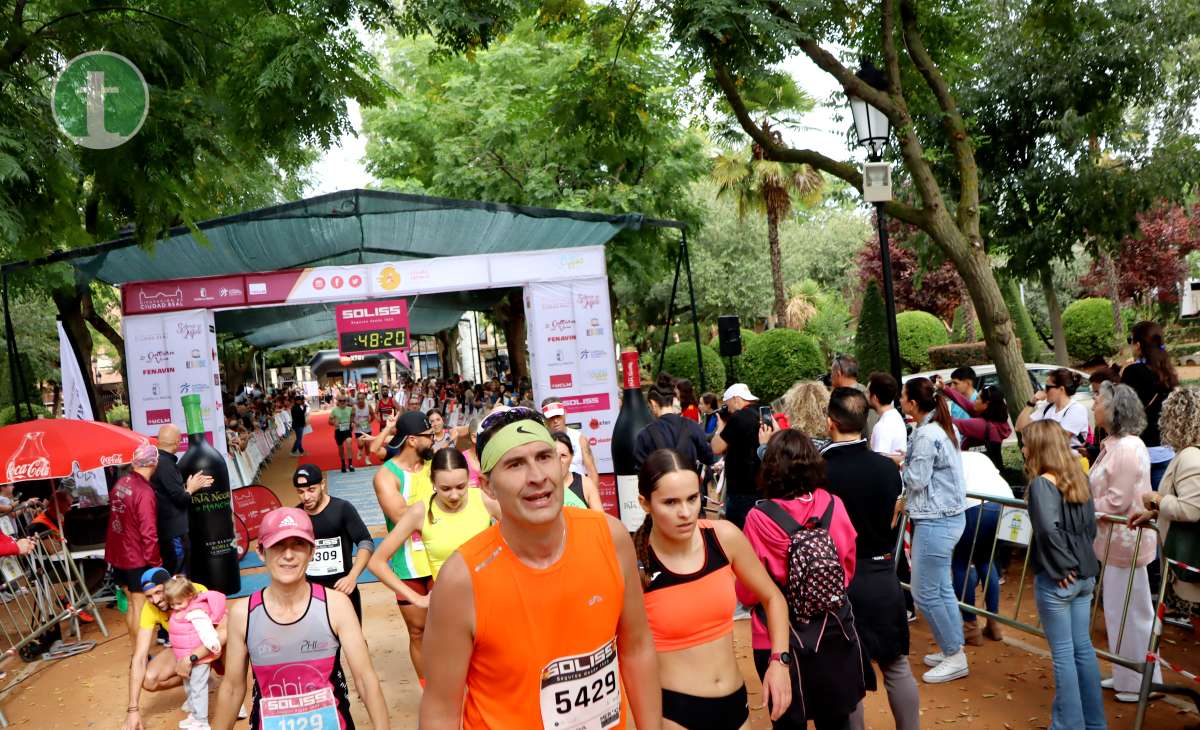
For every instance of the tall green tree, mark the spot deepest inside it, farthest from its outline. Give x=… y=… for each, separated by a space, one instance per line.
x=549 y=117
x=768 y=186
x=241 y=95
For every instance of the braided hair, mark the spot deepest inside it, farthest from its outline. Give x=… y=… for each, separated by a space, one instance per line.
x=656 y=466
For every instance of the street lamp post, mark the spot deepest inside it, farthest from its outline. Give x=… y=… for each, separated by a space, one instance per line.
x=871 y=126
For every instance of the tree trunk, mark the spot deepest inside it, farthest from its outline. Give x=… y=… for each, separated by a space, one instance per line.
x=969 y=318
x=975 y=268
x=1113 y=289
x=515 y=336
x=1056 y=325
x=780 y=307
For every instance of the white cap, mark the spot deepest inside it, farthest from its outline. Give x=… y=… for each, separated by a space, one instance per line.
x=738 y=390
x=550 y=410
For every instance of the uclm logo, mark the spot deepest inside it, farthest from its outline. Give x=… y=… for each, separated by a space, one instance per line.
x=382 y=311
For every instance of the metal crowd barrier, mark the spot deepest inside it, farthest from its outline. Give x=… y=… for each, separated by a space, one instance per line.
x=245 y=464
x=1015 y=528
x=42 y=590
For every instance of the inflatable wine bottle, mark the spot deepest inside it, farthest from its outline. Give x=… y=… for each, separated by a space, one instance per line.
x=210 y=519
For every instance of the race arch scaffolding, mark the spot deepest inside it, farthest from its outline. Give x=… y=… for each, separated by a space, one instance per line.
x=273 y=275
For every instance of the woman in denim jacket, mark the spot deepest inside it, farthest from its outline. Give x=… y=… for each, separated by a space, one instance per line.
x=935 y=497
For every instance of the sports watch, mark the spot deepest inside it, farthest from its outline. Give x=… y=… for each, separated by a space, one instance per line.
x=782 y=657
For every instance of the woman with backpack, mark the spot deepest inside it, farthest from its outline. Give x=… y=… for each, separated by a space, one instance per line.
x=688 y=566
x=805 y=539
x=1053 y=403
x=935 y=496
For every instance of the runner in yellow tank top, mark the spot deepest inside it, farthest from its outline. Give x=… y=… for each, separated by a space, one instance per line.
x=456 y=513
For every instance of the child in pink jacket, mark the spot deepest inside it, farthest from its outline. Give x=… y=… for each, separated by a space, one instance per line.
x=192 y=628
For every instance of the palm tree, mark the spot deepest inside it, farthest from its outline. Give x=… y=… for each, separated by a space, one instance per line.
x=766 y=186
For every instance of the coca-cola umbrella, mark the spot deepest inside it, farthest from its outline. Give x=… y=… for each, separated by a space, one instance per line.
x=55 y=448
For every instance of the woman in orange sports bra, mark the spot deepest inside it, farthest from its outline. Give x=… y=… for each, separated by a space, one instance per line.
x=688 y=567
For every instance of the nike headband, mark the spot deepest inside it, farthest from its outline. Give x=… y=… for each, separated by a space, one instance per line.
x=510 y=437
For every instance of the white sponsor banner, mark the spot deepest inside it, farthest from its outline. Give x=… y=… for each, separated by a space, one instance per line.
x=427 y=276
x=568 y=264
x=569 y=328
x=167 y=357
x=78 y=406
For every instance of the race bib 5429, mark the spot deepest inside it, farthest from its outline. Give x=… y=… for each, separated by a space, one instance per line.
x=582 y=692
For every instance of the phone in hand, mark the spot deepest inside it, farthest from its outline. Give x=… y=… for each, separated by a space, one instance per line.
x=765 y=415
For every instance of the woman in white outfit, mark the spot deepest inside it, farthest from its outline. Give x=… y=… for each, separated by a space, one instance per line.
x=1119 y=479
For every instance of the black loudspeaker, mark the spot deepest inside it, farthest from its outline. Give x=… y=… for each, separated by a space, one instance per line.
x=729 y=334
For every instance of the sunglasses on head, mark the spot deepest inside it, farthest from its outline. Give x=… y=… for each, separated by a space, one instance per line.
x=511 y=415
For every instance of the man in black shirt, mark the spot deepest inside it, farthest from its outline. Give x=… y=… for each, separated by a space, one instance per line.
x=671 y=431
x=173 y=498
x=869 y=486
x=299 y=422
x=737 y=439
x=338 y=529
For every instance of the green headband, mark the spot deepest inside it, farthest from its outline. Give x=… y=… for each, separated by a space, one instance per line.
x=510 y=437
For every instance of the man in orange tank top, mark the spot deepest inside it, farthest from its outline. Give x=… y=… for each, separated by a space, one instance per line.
x=538 y=621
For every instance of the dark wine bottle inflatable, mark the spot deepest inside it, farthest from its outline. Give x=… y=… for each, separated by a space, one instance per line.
x=634 y=416
x=210 y=519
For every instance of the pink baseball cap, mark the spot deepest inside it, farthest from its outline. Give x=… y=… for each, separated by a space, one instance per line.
x=284 y=522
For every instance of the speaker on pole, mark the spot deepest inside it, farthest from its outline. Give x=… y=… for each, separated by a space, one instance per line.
x=729 y=335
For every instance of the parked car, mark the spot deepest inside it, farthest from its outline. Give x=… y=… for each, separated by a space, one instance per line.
x=986 y=375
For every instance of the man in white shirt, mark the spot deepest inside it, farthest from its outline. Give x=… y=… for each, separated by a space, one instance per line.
x=890 y=436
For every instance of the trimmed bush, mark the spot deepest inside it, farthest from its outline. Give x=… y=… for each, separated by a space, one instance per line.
x=8 y=414
x=1088 y=324
x=870 y=338
x=776 y=359
x=680 y=361
x=1031 y=348
x=918 y=332
x=118 y=414
x=944 y=357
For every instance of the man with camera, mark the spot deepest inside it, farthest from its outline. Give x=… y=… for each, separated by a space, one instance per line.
x=737 y=439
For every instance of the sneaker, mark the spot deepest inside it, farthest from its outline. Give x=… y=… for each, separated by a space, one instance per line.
x=1131 y=698
x=954 y=667
x=351 y=467
x=242 y=714
x=912 y=616
x=186 y=708
x=189 y=722
x=1107 y=683
x=933 y=660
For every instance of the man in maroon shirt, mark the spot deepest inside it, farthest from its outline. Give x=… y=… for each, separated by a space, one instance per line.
x=132 y=544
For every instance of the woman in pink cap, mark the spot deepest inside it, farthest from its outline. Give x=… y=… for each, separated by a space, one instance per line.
x=293 y=633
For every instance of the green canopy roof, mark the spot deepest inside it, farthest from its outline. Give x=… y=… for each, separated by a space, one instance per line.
x=350 y=227
x=344 y=228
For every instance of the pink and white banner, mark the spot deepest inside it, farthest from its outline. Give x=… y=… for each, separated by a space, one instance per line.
x=169 y=356
x=571 y=356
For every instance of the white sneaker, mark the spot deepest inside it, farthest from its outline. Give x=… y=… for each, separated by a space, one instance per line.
x=242 y=714
x=1107 y=683
x=935 y=659
x=954 y=667
x=190 y=723
x=186 y=708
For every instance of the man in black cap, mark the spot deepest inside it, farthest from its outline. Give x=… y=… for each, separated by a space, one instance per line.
x=338 y=529
x=404 y=480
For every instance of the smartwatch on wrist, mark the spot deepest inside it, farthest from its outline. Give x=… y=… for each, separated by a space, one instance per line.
x=193 y=658
x=782 y=657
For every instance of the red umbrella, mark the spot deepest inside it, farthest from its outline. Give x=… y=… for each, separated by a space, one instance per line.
x=55 y=448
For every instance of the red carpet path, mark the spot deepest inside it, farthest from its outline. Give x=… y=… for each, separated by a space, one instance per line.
x=319 y=446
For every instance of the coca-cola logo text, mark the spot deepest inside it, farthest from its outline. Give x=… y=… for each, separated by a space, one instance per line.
x=39 y=468
x=112 y=460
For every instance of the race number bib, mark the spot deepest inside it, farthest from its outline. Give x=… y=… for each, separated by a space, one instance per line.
x=582 y=692
x=316 y=710
x=327 y=558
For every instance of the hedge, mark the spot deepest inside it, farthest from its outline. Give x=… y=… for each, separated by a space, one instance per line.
x=870 y=338
x=778 y=358
x=1088 y=324
x=118 y=415
x=944 y=357
x=8 y=414
x=918 y=332
x=680 y=361
x=1031 y=349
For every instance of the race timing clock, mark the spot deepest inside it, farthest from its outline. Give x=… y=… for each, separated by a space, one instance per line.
x=388 y=338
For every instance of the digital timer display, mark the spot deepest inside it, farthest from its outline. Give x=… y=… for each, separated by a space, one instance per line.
x=390 y=338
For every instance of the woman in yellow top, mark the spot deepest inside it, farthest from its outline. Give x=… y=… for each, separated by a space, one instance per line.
x=456 y=513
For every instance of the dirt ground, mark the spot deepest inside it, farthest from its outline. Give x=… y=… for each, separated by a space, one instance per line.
x=1010 y=686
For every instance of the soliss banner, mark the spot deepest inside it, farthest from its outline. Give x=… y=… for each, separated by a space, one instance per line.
x=169 y=356
x=372 y=326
